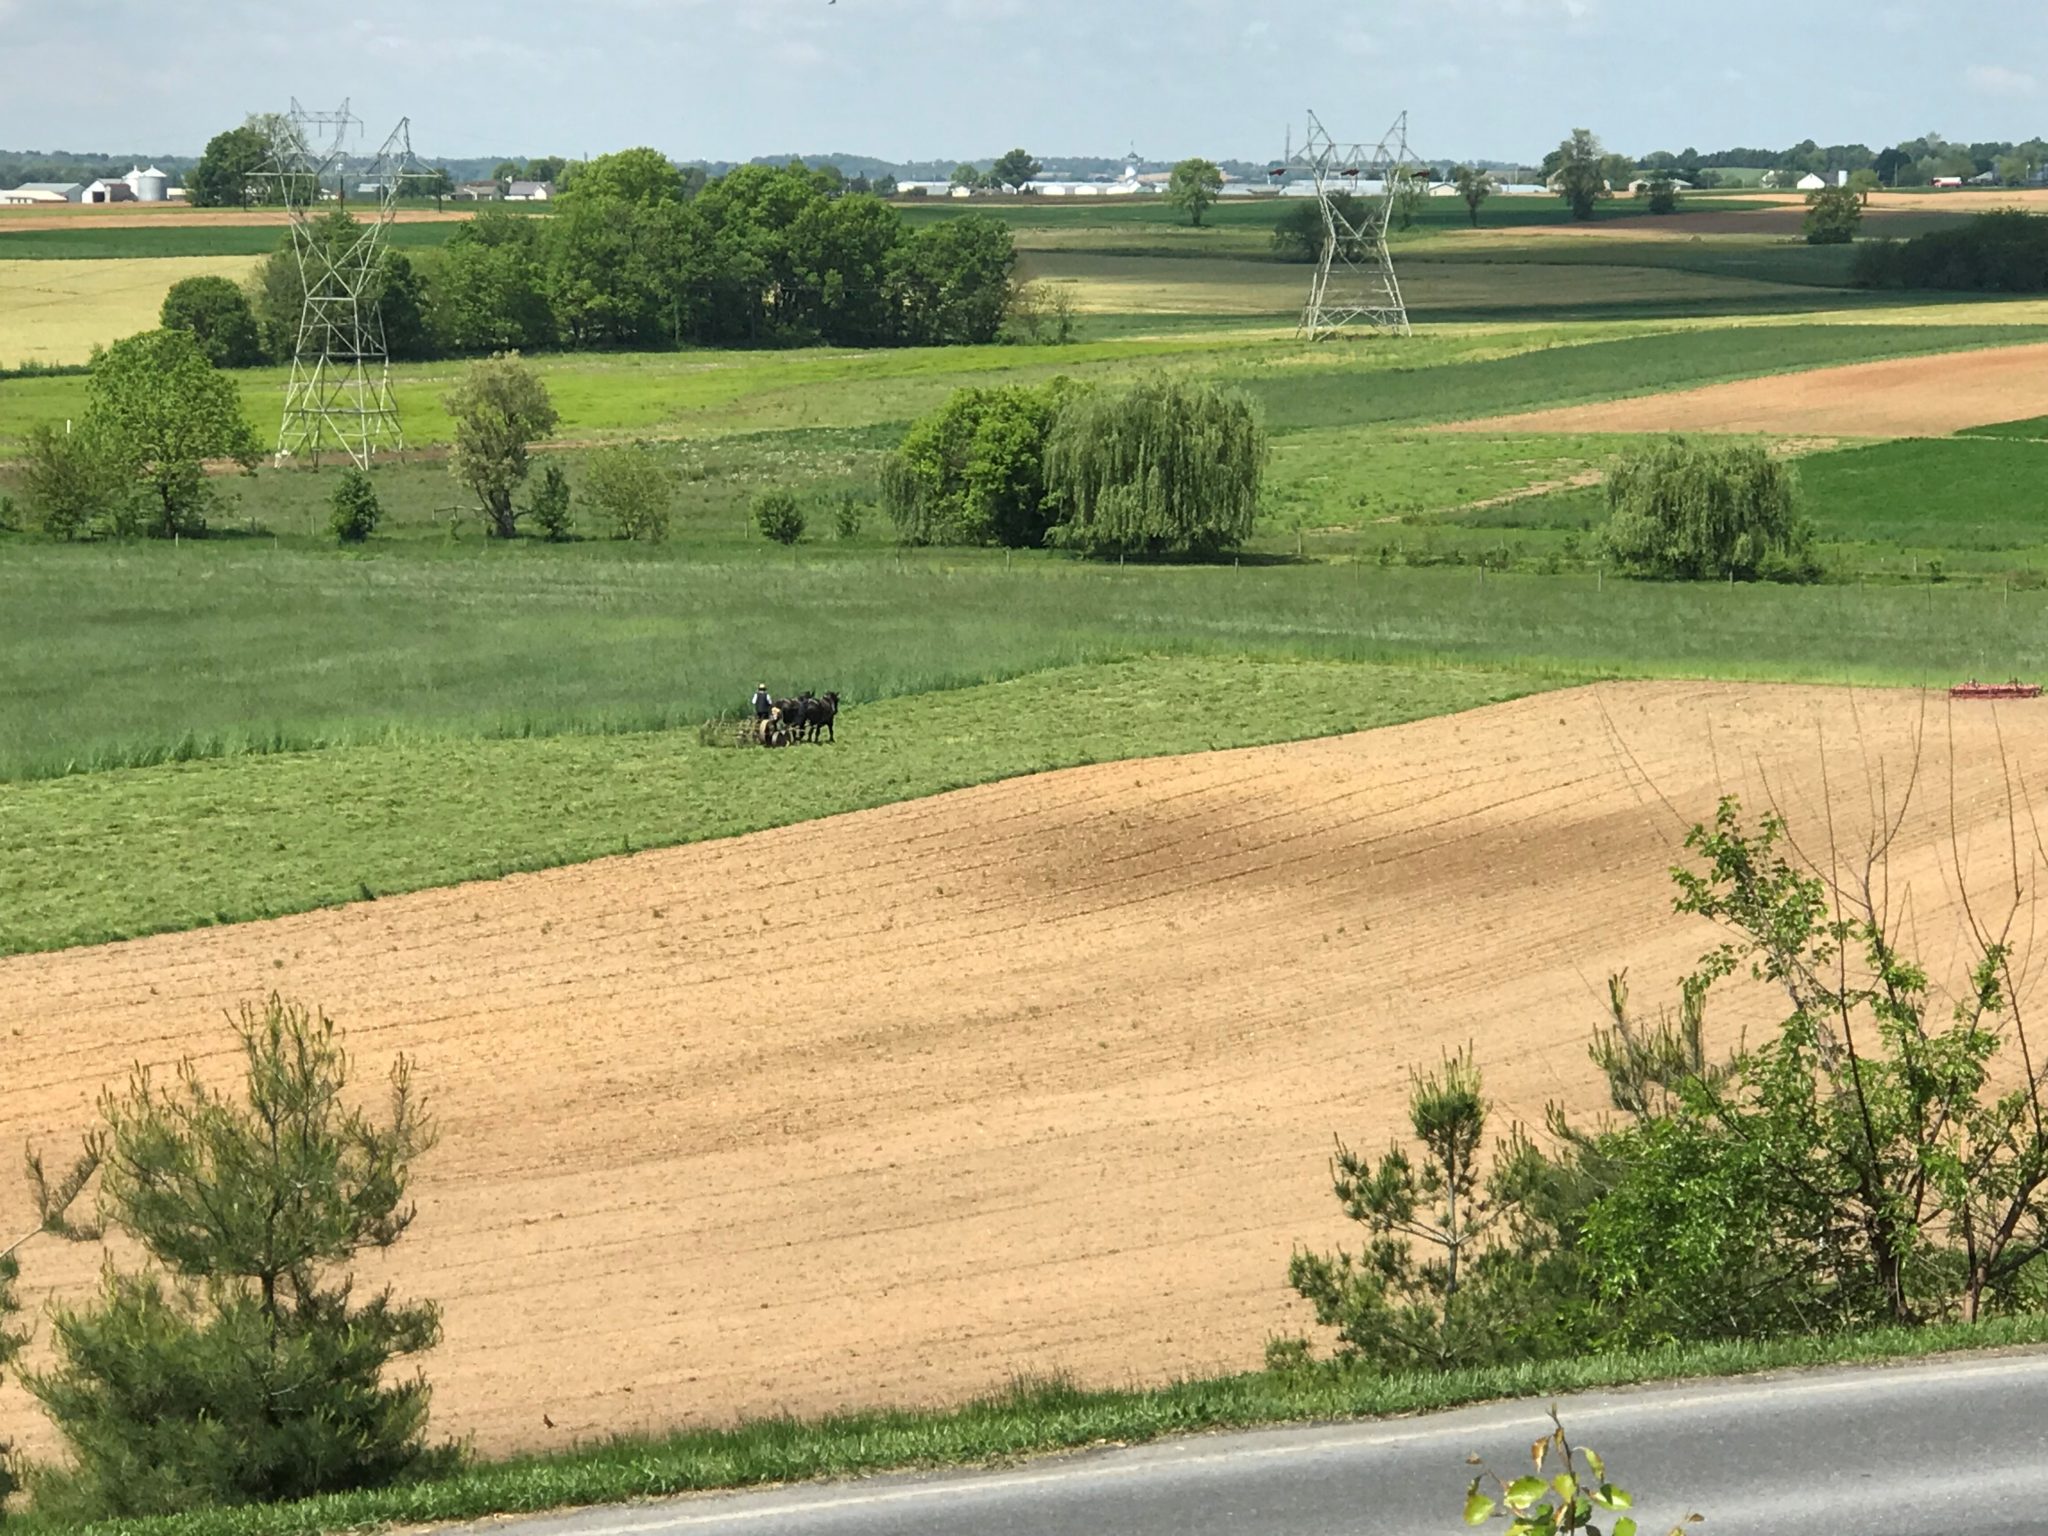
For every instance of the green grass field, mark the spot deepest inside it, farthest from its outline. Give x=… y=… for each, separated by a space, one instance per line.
x=2037 y=429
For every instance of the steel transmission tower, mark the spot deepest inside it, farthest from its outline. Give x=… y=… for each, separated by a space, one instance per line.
x=1355 y=285
x=340 y=390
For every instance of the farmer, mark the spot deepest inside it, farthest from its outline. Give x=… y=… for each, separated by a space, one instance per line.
x=763 y=705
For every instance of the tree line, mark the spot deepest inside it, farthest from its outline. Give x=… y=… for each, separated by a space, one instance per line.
x=630 y=258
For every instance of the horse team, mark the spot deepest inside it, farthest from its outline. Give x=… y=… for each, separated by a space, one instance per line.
x=807 y=717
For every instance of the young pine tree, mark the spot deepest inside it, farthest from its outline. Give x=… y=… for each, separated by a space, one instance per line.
x=241 y=1366
x=1478 y=1293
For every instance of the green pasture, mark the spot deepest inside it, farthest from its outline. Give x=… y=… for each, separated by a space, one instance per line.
x=112 y=657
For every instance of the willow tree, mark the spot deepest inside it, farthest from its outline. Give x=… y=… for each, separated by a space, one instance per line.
x=1169 y=467
x=1681 y=511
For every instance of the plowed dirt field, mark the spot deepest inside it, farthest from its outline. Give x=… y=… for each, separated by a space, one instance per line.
x=1035 y=1076
x=1906 y=397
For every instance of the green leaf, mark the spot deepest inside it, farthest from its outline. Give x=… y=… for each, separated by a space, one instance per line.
x=1567 y=1486
x=1524 y=1491
x=1625 y=1526
x=1478 y=1507
x=1611 y=1497
x=1593 y=1460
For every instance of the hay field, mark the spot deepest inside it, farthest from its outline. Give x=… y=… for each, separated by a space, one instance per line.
x=1168 y=285
x=1035 y=1076
x=56 y=312
x=1904 y=397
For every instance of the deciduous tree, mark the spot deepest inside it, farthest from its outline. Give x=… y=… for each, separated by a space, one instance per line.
x=161 y=409
x=1194 y=188
x=1833 y=215
x=1579 y=174
x=1014 y=169
x=1475 y=187
x=632 y=489
x=226 y=175
x=217 y=315
x=1683 y=511
x=500 y=409
x=1167 y=467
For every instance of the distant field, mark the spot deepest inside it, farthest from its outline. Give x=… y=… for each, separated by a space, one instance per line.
x=1953 y=494
x=2036 y=428
x=1436 y=291
x=56 y=311
x=152 y=241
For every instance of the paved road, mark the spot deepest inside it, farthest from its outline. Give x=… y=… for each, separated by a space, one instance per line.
x=1957 y=1448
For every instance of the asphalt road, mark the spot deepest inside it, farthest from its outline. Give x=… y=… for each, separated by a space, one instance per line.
x=1958 y=1448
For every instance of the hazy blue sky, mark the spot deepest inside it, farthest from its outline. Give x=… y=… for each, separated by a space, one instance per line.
x=926 y=78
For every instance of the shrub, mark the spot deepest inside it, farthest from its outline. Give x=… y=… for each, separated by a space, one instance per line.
x=1833 y=215
x=241 y=1367
x=1166 y=467
x=632 y=489
x=779 y=516
x=217 y=315
x=356 y=510
x=2004 y=251
x=550 y=506
x=1300 y=233
x=848 y=515
x=973 y=472
x=1683 y=512
x=76 y=487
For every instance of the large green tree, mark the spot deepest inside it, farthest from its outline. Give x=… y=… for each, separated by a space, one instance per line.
x=162 y=409
x=1194 y=188
x=226 y=175
x=1167 y=467
x=500 y=409
x=973 y=471
x=639 y=175
x=1014 y=169
x=242 y=1366
x=949 y=282
x=1580 y=173
x=217 y=315
x=1684 y=511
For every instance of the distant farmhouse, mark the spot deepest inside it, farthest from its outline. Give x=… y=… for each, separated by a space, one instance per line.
x=138 y=186
x=505 y=192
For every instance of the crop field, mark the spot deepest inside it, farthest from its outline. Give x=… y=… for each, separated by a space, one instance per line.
x=1895 y=398
x=56 y=312
x=1060 y=1090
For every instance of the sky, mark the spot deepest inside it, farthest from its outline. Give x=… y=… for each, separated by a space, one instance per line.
x=933 y=79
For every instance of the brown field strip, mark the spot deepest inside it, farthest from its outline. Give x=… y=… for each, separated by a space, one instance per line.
x=1902 y=397
x=1030 y=1077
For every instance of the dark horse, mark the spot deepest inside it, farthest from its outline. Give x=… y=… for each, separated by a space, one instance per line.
x=820 y=716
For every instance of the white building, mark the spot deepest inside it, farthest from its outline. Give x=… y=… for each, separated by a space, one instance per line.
x=65 y=191
x=22 y=197
x=529 y=191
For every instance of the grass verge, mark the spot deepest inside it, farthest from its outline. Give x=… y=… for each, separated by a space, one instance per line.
x=1030 y=1420
x=96 y=857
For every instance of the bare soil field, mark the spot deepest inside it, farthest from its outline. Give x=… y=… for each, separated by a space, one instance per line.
x=1037 y=1076
x=1908 y=397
